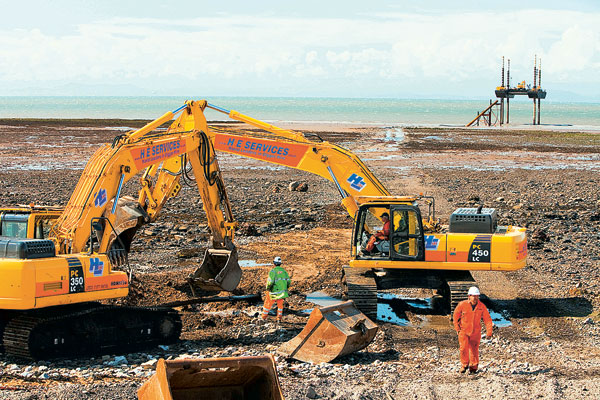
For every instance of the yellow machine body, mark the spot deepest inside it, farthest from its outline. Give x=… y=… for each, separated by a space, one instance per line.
x=463 y=251
x=64 y=279
x=420 y=247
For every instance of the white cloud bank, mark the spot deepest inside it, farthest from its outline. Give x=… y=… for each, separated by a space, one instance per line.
x=370 y=56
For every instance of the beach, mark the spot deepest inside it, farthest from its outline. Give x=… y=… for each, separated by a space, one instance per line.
x=542 y=178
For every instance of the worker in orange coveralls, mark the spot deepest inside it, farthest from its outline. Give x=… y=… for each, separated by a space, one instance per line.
x=467 y=322
x=380 y=235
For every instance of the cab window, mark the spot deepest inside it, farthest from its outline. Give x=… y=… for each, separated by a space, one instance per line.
x=406 y=233
x=16 y=229
x=42 y=228
x=369 y=223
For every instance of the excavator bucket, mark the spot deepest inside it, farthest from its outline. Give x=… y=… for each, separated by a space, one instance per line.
x=331 y=332
x=239 y=378
x=219 y=271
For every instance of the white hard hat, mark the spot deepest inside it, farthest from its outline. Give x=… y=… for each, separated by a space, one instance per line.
x=473 y=291
x=277 y=260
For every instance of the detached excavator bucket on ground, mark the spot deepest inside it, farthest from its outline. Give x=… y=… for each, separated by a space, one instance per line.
x=331 y=332
x=231 y=378
x=219 y=271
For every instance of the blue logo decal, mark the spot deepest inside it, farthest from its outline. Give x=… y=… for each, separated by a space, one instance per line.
x=357 y=182
x=431 y=242
x=96 y=266
x=100 y=198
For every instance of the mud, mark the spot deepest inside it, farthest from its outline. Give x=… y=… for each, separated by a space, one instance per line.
x=545 y=180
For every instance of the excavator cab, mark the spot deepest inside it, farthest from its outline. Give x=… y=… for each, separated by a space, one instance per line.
x=369 y=223
x=405 y=241
x=28 y=222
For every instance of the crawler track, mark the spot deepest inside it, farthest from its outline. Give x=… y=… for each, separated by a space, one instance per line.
x=88 y=329
x=360 y=287
x=458 y=290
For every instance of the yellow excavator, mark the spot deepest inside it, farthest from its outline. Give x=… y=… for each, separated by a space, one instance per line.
x=414 y=251
x=57 y=263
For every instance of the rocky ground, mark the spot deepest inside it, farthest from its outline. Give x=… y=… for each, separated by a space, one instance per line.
x=544 y=180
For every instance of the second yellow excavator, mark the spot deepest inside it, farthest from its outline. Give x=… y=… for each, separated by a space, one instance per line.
x=393 y=243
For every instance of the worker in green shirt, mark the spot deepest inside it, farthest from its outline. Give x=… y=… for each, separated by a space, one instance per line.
x=277 y=289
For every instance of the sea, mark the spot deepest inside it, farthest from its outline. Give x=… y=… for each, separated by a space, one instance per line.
x=376 y=111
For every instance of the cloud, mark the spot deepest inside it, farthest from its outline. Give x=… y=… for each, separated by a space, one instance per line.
x=405 y=50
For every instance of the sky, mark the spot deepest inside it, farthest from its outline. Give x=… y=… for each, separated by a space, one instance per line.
x=395 y=49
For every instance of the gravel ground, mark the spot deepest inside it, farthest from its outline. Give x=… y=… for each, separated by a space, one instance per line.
x=544 y=180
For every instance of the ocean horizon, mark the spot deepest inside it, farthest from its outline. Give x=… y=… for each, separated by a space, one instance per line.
x=378 y=111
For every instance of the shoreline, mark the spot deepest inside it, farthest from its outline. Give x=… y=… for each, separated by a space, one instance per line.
x=325 y=126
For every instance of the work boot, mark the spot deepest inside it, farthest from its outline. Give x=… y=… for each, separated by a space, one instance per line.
x=472 y=371
x=464 y=369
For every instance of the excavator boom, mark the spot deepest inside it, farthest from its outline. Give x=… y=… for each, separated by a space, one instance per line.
x=292 y=149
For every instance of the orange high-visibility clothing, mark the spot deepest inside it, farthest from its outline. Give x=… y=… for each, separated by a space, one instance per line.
x=269 y=304
x=467 y=322
x=469 y=350
x=380 y=235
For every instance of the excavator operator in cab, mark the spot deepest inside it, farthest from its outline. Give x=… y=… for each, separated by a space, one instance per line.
x=383 y=234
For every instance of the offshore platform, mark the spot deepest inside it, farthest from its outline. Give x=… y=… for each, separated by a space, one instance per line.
x=503 y=92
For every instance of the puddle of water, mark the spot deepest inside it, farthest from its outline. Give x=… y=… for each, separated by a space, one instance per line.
x=382 y=158
x=422 y=303
x=321 y=299
x=437 y=138
x=394 y=135
x=29 y=167
x=402 y=168
x=250 y=263
x=119 y=128
x=385 y=313
x=581 y=166
x=499 y=320
x=390 y=306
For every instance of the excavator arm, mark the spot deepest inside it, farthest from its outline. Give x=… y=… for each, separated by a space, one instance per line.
x=292 y=149
x=160 y=154
x=97 y=210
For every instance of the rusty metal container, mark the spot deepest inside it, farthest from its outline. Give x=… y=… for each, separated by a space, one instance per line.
x=219 y=271
x=331 y=332
x=231 y=378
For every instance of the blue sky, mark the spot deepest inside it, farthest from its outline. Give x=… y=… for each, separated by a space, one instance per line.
x=401 y=49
